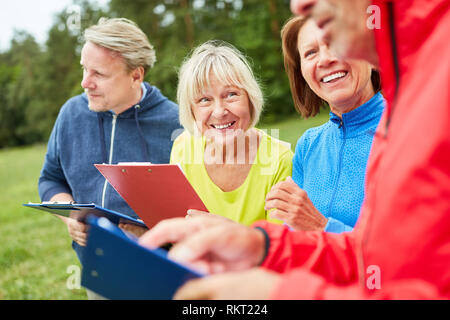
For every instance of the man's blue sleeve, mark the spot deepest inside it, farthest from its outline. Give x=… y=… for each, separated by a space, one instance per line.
x=52 y=180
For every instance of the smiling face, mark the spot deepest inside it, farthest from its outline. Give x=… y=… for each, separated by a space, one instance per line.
x=107 y=82
x=344 y=84
x=344 y=25
x=221 y=111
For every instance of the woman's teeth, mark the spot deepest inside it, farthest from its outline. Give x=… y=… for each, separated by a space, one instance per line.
x=224 y=126
x=334 y=76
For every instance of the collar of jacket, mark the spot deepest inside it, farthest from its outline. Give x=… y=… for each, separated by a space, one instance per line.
x=361 y=119
x=144 y=104
x=132 y=112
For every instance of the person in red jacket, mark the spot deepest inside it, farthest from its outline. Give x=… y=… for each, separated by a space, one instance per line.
x=400 y=247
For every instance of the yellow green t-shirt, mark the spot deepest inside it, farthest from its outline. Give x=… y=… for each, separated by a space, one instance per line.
x=245 y=204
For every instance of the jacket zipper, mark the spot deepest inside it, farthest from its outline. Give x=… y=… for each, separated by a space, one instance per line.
x=341 y=152
x=368 y=224
x=111 y=150
x=393 y=38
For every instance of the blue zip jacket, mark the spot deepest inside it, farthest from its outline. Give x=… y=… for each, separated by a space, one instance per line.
x=330 y=163
x=82 y=138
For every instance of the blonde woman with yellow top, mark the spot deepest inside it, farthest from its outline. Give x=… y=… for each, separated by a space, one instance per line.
x=230 y=164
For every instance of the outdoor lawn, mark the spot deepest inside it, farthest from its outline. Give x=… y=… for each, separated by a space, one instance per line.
x=36 y=259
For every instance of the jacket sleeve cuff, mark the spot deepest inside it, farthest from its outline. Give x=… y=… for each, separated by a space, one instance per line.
x=266 y=244
x=274 y=235
x=336 y=226
x=49 y=193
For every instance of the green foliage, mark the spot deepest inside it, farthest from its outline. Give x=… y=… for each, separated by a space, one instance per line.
x=36 y=81
x=8 y=117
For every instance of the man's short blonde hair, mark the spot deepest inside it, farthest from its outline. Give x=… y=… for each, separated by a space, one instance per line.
x=124 y=37
x=226 y=63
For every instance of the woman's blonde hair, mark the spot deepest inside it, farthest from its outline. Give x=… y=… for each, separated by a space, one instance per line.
x=124 y=37
x=226 y=63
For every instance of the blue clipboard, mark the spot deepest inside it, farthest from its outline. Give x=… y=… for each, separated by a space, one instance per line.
x=117 y=267
x=80 y=212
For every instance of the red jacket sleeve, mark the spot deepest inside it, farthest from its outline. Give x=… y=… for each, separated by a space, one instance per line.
x=329 y=255
x=319 y=265
x=302 y=284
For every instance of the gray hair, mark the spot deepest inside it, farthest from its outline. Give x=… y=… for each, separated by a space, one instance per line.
x=223 y=61
x=124 y=37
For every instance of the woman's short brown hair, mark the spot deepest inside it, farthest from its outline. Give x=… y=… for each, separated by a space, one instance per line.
x=306 y=102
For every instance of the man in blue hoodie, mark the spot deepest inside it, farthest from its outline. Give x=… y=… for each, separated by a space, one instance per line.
x=119 y=118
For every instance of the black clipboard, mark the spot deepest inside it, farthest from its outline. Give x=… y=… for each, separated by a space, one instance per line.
x=80 y=212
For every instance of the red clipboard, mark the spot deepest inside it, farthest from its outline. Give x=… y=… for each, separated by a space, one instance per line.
x=154 y=191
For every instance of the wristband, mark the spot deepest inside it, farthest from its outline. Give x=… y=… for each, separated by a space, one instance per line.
x=266 y=244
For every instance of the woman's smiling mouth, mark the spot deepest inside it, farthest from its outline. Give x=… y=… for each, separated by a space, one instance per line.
x=334 y=77
x=223 y=126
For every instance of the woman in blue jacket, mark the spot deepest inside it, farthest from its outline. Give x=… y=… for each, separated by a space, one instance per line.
x=326 y=190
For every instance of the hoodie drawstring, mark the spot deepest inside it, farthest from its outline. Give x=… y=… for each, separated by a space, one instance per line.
x=141 y=134
x=102 y=137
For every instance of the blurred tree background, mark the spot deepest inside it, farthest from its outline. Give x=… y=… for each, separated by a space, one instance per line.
x=35 y=80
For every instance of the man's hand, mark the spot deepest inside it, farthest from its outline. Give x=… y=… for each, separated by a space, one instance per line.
x=209 y=244
x=136 y=230
x=77 y=230
x=191 y=213
x=294 y=207
x=246 y=285
x=177 y=229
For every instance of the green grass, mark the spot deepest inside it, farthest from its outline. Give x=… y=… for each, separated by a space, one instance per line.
x=291 y=129
x=35 y=249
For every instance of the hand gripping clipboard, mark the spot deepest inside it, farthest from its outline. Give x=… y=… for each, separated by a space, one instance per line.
x=154 y=191
x=117 y=267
